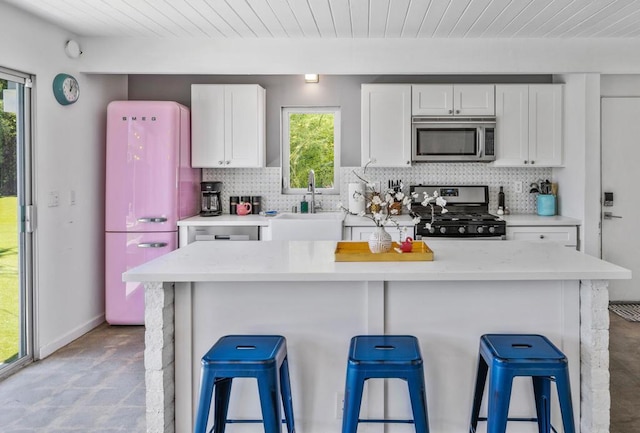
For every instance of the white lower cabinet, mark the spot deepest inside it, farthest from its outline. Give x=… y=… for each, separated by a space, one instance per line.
x=362 y=233
x=566 y=235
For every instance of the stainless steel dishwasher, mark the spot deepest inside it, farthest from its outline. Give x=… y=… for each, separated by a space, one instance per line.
x=223 y=233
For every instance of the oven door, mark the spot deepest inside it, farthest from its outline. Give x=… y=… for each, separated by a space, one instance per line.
x=450 y=140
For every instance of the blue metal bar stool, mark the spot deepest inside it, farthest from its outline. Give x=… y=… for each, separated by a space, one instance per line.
x=511 y=355
x=261 y=356
x=384 y=357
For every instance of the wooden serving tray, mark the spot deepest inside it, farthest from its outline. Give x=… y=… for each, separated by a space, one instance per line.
x=359 y=252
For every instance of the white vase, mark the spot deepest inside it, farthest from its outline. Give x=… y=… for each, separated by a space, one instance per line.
x=379 y=241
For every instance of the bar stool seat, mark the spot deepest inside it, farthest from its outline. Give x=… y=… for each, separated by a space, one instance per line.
x=509 y=355
x=261 y=356
x=384 y=357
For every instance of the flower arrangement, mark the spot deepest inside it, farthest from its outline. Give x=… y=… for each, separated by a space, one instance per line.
x=384 y=205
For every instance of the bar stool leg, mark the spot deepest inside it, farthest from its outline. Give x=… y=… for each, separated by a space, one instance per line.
x=564 y=397
x=542 y=393
x=222 y=393
x=418 y=395
x=287 y=400
x=269 y=389
x=352 y=402
x=498 y=411
x=481 y=378
x=204 y=402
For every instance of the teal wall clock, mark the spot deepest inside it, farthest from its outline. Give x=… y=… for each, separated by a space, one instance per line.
x=66 y=89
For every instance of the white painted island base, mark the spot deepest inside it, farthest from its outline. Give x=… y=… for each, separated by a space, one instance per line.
x=319 y=318
x=198 y=293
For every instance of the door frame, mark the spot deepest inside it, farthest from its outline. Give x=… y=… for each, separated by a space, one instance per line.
x=26 y=194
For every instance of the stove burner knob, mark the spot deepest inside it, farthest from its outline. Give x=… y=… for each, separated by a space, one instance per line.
x=443 y=230
x=432 y=230
x=492 y=229
x=461 y=230
x=480 y=229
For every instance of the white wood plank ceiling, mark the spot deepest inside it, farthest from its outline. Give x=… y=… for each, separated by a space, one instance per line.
x=221 y=19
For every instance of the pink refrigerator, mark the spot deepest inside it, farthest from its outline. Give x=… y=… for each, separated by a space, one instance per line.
x=150 y=185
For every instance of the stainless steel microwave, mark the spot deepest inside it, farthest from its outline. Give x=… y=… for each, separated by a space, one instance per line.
x=453 y=139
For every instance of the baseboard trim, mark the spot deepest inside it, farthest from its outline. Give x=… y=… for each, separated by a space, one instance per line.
x=75 y=333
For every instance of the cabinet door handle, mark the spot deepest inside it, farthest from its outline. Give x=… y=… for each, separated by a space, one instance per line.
x=541 y=236
x=408 y=162
x=533 y=162
x=228 y=162
x=219 y=162
x=526 y=162
x=457 y=111
x=450 y=111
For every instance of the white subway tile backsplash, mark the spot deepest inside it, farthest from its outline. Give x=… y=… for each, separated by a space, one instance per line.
x=266 y=182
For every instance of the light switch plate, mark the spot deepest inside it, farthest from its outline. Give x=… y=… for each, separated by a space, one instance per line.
x=54 y=198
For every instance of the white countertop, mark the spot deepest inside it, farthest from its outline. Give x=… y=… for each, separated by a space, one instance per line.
x=225 y=220
x=537 y=220
x=259 y=220
x=314 y=261
x=356 y=221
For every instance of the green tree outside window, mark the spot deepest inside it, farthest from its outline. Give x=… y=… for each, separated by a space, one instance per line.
x=310 y=142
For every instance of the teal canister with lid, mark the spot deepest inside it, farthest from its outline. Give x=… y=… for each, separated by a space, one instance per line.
x=546 y=204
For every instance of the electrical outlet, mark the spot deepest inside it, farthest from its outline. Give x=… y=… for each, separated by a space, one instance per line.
x=518 y=187
x=54 y=198
x=339 y=404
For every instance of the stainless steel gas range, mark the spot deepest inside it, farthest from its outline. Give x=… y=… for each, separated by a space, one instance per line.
x=468 y=214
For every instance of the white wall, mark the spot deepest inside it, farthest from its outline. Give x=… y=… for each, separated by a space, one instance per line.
x=579 y=180
x=68 y=155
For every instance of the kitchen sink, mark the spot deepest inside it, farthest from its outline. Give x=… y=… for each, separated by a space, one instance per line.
x=307 y=226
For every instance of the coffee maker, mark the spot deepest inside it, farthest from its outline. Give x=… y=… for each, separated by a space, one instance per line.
x=210 y=204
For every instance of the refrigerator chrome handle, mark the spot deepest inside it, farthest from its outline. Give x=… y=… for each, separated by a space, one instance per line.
x=152 y=245
x=152 y=220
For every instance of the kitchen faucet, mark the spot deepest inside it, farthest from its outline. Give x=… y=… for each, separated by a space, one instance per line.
x=311 y=187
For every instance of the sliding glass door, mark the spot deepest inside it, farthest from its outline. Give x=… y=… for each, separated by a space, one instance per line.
x=15 y=221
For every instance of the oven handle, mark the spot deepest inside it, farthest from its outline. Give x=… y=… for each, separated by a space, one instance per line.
x=458 y=238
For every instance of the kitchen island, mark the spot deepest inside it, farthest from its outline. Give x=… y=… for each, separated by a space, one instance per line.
x=200 y=292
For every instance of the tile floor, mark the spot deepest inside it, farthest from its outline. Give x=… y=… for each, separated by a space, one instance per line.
x=624 y=364
x=96 y=384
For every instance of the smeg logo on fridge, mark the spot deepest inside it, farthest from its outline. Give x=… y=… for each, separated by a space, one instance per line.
x=143 y=118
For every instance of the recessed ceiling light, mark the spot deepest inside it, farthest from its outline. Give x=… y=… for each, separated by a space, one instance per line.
x=311 y=78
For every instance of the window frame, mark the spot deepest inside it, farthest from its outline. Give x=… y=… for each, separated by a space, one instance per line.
x=285 y=148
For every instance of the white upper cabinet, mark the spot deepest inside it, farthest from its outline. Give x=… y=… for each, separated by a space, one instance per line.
x=529 y=125
x=386 y=125
x=453 y=100
x=545 y=124
x=227 y=125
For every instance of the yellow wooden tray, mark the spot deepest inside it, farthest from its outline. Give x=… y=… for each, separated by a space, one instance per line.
x=359 y=252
